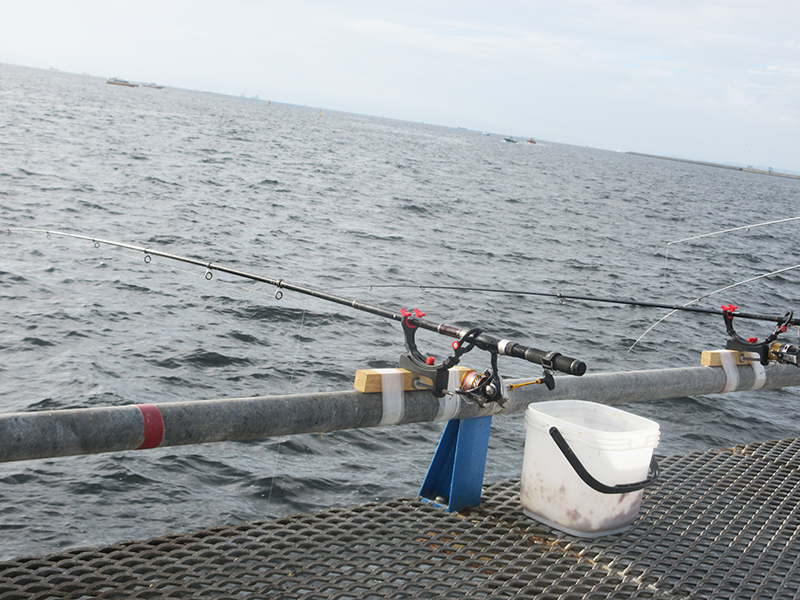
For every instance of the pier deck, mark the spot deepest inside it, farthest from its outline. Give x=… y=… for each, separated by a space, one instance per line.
x=719 y=524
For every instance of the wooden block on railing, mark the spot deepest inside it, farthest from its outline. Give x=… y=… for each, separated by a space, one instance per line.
x=368 y=381
x=711 y=358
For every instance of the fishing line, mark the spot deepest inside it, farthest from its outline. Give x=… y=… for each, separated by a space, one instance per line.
x=297 y=339
x=291 y=382
x=728 y=287
x=305 y=311
x=714 y=233
x=274 y=471
x=350 y=332
x=732 y=229
x=321 y=318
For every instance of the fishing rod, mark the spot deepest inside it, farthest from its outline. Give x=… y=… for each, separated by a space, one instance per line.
x=486 y=387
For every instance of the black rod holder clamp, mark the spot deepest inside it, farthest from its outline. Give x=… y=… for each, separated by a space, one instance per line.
x=416 y=362
x=737 y=342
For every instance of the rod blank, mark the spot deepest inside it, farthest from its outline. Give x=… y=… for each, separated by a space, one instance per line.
x=565 y=364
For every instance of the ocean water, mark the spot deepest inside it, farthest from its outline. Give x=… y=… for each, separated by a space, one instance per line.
x=350 y=204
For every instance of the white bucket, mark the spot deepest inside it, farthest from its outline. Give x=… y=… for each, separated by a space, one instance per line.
x=614 y=446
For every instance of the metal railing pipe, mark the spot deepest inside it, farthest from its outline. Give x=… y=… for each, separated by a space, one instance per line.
x=44 y=434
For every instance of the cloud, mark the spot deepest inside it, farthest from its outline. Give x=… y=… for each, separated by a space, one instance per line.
x=782 y=71
x=461 y=39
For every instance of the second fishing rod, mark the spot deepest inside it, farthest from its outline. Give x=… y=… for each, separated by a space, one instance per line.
x=766 y=350
x=645 y=304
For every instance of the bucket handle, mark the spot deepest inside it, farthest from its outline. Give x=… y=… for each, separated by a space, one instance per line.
x=622 y=488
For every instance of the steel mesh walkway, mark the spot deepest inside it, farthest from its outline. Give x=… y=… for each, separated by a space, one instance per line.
x=720 y=524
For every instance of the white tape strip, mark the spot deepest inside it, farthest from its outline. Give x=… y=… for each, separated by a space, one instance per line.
x=394 y=402
x=450 y=403
x=728 y=361
x=758 y=369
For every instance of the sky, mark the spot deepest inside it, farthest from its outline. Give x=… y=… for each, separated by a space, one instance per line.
x=716 y=81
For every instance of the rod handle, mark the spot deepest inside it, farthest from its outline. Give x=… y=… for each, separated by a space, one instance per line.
x=569 y=365
x=554 y=360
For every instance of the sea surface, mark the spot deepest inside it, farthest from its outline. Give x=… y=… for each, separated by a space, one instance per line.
x=349 y=204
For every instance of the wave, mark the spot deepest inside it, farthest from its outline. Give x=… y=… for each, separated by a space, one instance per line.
x=203 y=359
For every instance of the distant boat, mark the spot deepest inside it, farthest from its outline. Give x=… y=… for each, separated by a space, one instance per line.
x=510 y=139
x=153 y=85
x=116 y=81
x=531 y=141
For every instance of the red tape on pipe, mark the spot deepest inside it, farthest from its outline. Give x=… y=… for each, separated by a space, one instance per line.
x=153 y=426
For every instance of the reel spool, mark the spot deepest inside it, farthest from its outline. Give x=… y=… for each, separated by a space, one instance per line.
x=785 y=353
x=483 y=387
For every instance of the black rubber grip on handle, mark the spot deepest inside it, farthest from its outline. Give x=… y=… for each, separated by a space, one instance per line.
x=565 y=364
x=554 y=360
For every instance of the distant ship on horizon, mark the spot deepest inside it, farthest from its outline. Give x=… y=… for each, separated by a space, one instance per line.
x=118 y=81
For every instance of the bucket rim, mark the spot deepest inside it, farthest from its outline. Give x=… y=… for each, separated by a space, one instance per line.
x=646 y=431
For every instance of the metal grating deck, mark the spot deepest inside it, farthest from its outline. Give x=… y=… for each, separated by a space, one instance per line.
x=720 y=524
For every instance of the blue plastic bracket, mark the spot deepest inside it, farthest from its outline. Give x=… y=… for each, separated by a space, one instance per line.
x=455 y=476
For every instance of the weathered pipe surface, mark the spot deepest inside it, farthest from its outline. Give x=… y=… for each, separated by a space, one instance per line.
x=605 y=388
x=25 y=436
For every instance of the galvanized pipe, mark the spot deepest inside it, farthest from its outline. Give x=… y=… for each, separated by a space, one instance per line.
x=33 y=435
x=608 y=388
x=25 y=436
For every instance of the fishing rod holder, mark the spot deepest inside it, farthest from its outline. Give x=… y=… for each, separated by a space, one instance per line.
x=426 y=366
x=483 y=387
x=762 y=349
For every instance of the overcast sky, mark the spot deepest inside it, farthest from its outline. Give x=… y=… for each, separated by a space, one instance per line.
x=708 y=80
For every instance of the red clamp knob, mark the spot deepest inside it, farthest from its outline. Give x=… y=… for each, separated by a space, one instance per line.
x=407 y=314
x=729 y=309
x=430 y=360
x=417 y=313
x=752 y=340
